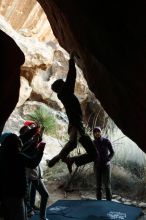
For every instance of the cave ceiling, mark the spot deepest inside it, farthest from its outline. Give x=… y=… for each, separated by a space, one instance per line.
x=110 y=40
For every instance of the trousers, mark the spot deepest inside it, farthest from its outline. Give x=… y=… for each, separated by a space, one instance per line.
x=38 y=185
x=103 y=178
x=85 y=140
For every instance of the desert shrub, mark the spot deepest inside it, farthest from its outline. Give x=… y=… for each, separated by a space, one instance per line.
x=57 y=172
x=131 y=160
x=122 y=179
x=84 y=178
x=139 y=191
x=134 y=167
x=44 y=118
x=129 y=156
x=126 y=184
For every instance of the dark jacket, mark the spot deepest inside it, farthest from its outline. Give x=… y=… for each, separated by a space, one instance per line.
x=105 y=149
x=68 y=99
x=30 y=140
x=27 y=136
x=12 y=172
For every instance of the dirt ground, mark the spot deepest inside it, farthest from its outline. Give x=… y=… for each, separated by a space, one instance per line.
x=57 y=178
x=57 y=192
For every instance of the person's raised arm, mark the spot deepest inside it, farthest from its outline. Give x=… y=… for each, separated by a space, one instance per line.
x=71 y=75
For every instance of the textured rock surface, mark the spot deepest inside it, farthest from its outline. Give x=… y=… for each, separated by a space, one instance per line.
x=11 y=59
x=109 y=38
x=44 y=63
x=25 y=91
x=28 y=18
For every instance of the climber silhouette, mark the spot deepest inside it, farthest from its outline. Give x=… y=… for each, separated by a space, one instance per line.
x=76 y=130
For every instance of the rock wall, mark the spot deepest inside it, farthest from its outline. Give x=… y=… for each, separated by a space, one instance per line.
x=11 y=59
x=44 y=63
x=27 y=17
x=109 y=38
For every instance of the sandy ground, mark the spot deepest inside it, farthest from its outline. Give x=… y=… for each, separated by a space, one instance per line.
x=56 y=192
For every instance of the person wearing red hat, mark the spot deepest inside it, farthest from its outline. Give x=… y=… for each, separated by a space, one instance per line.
x=28 y=123
x=13 y=184
x=31 y=134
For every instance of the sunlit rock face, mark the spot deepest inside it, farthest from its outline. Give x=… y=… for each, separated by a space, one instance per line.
x=27 y=18
x=109 y=38
x=25 y=91
x=45 y=60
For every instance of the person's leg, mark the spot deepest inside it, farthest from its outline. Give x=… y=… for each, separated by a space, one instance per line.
x=107 y=182
x=28 y=199
x=32 y=194
x=81 y=159
x=41 y=188
x=69 y=146
x=90 y=156
x=27 y=195
x=88 y=145
x=98 y=178
x=53 y=161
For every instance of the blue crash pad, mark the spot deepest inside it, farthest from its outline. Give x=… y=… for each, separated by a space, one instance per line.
x=90 y=210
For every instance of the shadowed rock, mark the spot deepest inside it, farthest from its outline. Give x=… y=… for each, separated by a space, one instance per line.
x=11 y=59
x=109 y=38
